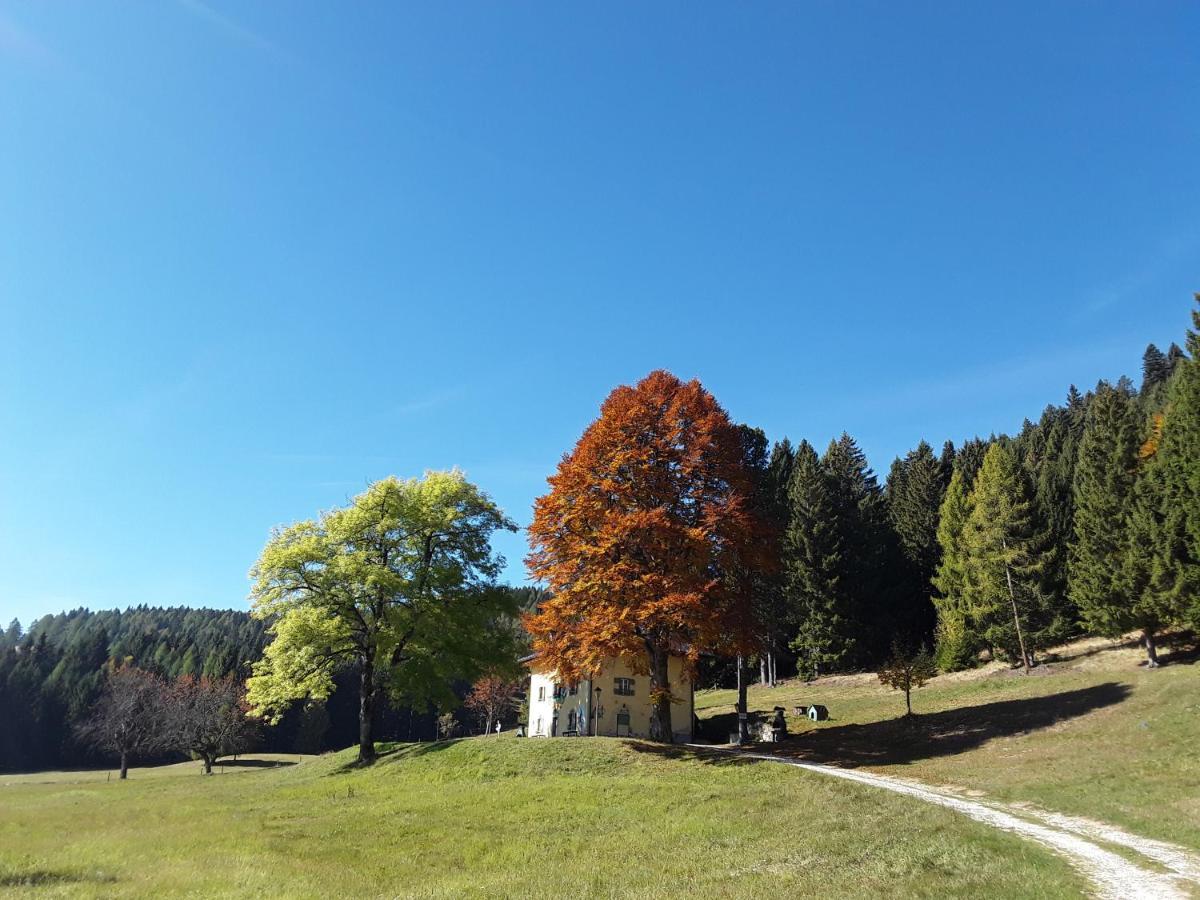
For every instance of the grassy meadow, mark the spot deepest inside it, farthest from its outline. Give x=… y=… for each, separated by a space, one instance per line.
x=1092 y=733
x=499 y=816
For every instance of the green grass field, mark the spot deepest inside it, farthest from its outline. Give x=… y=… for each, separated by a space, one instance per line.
x=1091 y=734
x=496 y=816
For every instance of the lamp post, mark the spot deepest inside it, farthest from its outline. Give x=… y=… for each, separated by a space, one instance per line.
x=596 y=730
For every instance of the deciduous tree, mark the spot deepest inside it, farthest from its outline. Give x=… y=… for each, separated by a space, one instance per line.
x=209 y=717
x=129 y=718
x=398 y=585
x=906 y=671
x=1006 y=560
x=645 y=524
x=491 y=696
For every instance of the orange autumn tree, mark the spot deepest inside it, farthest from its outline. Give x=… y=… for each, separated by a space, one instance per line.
x=647 y=523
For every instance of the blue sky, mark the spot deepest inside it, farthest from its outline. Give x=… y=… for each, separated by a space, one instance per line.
x=253 y=256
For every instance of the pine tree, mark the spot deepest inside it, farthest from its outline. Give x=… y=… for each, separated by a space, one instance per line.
x=957 y=642
x=1103 y=494
x=813 y=560
x=875 y=595
x=970 y=458
x=915 y=491
x=1179 y=458
x=775 y=612
x=1156 y=369
x=1006 y=561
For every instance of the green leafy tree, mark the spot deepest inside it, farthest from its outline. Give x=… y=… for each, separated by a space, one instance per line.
x=957 y=640
x=398 y=585
x=1006 y=561
x=1100 y=549
x=907 y=671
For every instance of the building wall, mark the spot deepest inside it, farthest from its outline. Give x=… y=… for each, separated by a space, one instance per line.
x=613 y=710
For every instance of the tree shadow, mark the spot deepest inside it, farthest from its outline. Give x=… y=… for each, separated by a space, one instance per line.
x=34 y=878
x=396 y=753
x=930 y=735
x=253 y=763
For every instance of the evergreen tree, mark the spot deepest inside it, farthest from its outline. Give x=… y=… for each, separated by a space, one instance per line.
x=915 y=491
x=875 y=594
x=957 y=641
x=775 y=611
x=970 y=458
x=1179 y=507
x=1156 y=369
x=1006 y=561
x=1103 y=493
x=813 y=562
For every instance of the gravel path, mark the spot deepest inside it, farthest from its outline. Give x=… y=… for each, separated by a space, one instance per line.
x=1113 y=876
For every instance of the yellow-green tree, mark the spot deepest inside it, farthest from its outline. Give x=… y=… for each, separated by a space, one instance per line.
x=398 y=585
x=1006 y=558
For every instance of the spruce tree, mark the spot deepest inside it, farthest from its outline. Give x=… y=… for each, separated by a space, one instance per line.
x=813 y=562
x=1006 y=561
x=915 y=491
x=1103 y=495
x=872 y=558
x=1179 y=458
x=1156 y=369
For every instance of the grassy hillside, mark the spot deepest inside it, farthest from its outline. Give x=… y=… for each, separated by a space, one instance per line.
x=497 y=816
x=1091 y=734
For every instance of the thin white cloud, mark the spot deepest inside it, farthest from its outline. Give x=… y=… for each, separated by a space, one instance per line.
x=19 y=43
x=1142 y=279
x=233 y=30
x=424 y=404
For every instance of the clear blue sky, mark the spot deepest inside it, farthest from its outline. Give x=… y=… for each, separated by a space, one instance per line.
x=253 y=256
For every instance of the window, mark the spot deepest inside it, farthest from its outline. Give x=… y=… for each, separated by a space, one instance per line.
x=560 y=691
x=538 y=730
x=623 y=687
x=541 y=692
x=573 y=690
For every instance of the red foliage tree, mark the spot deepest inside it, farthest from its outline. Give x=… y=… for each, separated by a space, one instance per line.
x=490 y=696
x=646 y=524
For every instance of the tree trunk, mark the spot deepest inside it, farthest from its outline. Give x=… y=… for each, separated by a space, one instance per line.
x=366 y=712
x=208 y=764
x=1012 y=596
x=908 y=700
x=771 y=668
x=660 y=693
x=742 y=714
x=488 y=728
x=1151 y=649
x=124 y=765
x=762 y=668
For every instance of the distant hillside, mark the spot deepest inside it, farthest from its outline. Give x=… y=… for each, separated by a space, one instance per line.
x=52 y=673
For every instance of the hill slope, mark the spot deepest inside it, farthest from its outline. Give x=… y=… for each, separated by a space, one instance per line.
x=502 y=816
x=1090 y=734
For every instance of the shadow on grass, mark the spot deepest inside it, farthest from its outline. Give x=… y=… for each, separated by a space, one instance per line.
x=254 y=763
x=908 y=739
x=47 y=877
x=389 y=753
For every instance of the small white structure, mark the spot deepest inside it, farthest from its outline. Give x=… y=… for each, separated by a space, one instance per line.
x=614 y=703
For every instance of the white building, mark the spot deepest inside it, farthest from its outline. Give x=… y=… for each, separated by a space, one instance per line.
x=614 y=703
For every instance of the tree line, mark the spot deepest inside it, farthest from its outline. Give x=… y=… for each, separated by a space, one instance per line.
x=670 y=530
x=1087 y=520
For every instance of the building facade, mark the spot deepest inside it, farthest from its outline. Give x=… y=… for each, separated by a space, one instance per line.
x=614 y=703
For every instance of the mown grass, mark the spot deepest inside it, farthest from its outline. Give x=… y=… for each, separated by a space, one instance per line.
x=1093 y=734
x=501 y=816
